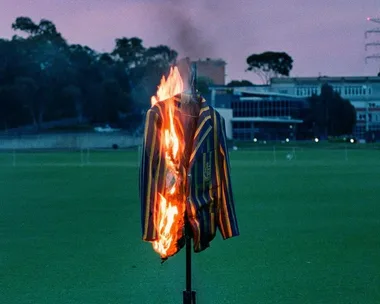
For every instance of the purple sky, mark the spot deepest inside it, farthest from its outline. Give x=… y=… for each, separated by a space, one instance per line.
x=324 y=37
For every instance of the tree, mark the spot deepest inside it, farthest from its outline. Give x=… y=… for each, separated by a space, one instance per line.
x=25 y=24
x=270 y=64
x=240 y=83
x=161 y=55
x=43 y=78
x=130 y=51
x=332 y=115
x=74 y=98
x=26 y=91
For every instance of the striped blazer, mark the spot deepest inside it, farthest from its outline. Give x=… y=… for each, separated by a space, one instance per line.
x=209 y=201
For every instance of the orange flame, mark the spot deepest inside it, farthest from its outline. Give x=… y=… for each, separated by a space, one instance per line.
x=169 y=87
x=169 y=217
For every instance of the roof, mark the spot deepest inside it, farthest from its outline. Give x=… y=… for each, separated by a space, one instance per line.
x=247 y=93
x=224 y=100
x=322 y=79
x=268 y=119
x=217 y=61
x=221 y=100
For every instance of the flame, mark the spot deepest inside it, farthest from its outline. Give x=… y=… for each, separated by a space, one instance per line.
x=169 y=87
x=169 y=218
x=165 y=217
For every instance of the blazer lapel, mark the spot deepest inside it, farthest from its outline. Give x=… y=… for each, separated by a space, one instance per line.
x=204 y=127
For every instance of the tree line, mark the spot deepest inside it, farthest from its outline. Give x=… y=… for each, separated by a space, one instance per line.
x=44 y=78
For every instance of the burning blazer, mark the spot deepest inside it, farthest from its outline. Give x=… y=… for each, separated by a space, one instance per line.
x=210 y=202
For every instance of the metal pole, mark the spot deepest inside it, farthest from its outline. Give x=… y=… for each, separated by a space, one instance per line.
x=193 y=79
x=188 y=294
x=188 y=261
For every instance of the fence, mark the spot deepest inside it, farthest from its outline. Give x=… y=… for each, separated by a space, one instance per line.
x=95 y=149
x=73 y=141
x=306 y=153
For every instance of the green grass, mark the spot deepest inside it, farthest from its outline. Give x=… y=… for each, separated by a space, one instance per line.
x=70 y=233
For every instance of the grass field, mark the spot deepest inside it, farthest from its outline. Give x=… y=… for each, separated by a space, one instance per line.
x=310 y=231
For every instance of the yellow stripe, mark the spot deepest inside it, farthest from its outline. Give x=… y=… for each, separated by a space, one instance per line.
x=228 y=180
x=201 y=125
x=197 y=241
x=196 y=169
x=225 y=220
x=179 y=125
x=203 y=177
x=211 y=194
x=156 y=201
x=143 y=150
x=147 y=210
x=143 y=167
x=200 y=142
x=212 y=223
x=159 y=105
x=216 y=144
x=224 y=196
x=203 y=110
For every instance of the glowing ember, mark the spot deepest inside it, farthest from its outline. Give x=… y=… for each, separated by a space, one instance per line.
x=169 y=218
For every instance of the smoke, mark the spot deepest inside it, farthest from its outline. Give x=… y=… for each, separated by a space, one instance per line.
x=188 y=36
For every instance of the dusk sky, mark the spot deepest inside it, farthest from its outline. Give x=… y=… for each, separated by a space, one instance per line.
x=324 y=37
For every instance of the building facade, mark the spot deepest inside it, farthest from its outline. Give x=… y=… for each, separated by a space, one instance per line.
x=363 y=93
x=261 y=116
x=284 y=98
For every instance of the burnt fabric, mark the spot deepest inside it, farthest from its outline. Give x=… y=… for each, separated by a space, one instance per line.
x=207 y=185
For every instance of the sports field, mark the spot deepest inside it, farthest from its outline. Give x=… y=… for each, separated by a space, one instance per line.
x=309 y=220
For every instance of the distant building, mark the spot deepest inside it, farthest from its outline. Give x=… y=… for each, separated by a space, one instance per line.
x=363 y=92
x=259 y=115
x=253 y=109
x=215 y=69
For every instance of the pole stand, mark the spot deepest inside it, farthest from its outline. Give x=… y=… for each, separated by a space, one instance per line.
x=189 y=297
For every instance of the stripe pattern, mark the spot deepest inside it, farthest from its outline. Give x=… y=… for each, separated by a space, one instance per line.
x=210 y=202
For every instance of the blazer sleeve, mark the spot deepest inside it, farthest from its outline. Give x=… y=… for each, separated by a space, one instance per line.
x=226 y=217
x=148 y=168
